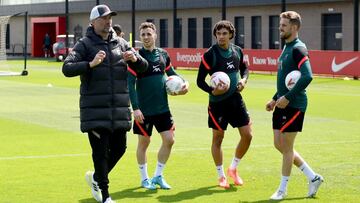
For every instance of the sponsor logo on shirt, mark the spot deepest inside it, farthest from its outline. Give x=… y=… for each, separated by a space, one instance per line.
x=230 y=65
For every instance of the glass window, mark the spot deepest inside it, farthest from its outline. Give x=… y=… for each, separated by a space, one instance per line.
x=331 y=31
x=240 y=31
x=274 y=35
x=207 y=33
x=192 y=33
x=256 y=32
x=163 y=33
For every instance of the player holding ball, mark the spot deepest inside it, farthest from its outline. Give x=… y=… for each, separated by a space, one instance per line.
x=150 y=105
x=225 y=102
x=290 y=105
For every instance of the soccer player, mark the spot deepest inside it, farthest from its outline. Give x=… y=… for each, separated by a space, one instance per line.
x=150 y=105
x=225 y=103
x=290 y=106
x=101 y=59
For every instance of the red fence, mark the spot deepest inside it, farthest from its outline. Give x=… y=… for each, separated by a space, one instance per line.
x=322 y=62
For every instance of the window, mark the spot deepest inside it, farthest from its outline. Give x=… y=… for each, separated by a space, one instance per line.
x=192 y=33
x=178 y=33
x=274 y=38
x=207 y=33
x=331 y=31
x=163 y=33
x=240 y=32
x=256 y=32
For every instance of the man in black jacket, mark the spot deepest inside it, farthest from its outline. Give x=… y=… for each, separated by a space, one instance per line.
x=101 y=60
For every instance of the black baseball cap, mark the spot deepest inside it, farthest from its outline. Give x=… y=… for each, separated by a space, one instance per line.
x=100 y=11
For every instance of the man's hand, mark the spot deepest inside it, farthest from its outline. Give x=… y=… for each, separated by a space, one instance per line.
x=129 y=56
x=138 y=116
x=241 y=85
x=220 y=88
x=184 y=89
x=99 y=57
x=282 y=102
x=270 y=105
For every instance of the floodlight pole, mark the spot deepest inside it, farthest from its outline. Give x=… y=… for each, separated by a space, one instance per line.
x=67 y=27
x=174 y=24
x=283 y=9
x=356 y=25
x=223 y=10
x=133 y=23
x=25 y=72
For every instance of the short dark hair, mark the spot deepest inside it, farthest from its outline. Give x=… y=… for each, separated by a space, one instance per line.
x=117 y=28
x=294 y=18
x=147 y=25
x=224 y=24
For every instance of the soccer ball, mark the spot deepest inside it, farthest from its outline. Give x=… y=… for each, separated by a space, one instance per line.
x=219 y=77
x=174 y=84
x=292 y=78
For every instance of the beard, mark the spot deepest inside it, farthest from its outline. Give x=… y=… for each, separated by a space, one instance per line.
x=106 y=30
x=285 y=35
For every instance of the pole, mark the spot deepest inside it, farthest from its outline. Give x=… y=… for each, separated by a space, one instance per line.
x=283 y=9
x=175 y=25
x=67 y=26
x=97 y=2
x=356 y=25
x=283 y=5
x=25 y=72
x=133 y=23
x=223 y=10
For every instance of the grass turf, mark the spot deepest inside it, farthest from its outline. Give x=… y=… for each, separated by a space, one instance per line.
x=44 y=157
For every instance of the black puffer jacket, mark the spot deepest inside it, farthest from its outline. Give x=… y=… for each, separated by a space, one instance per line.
x=104 y=94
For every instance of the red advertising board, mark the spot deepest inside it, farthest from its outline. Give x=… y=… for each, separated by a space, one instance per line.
x=322 y=62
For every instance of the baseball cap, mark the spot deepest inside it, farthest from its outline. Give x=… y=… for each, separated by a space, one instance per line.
x=100 y=11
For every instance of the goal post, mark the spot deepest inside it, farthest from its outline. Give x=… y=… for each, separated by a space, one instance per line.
x=11 y=63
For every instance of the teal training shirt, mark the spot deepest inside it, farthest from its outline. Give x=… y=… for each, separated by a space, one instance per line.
x=147 y=90
x=294 y=57
x=229 y=61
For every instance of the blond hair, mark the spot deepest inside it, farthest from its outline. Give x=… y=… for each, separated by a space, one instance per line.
x=294 y=18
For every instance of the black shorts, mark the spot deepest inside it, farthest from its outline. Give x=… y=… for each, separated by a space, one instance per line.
x=162 y=122
x=231 y=110
x=288 y=119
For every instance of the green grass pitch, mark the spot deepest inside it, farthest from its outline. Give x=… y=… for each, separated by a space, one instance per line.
x=44 y=157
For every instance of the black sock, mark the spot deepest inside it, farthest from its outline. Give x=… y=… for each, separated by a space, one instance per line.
x=105 y=195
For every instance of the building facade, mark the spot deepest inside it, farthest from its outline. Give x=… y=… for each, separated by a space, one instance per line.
x=327 y=24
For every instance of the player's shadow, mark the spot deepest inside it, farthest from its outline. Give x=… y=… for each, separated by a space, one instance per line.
x=192 y=194
x=136 y=192
x=269 y=200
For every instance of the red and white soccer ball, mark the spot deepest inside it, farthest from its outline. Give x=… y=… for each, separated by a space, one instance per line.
x=219 y=78
x=174 y=84
x=292 y=78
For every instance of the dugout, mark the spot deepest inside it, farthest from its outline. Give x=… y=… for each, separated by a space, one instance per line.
x=42 y=25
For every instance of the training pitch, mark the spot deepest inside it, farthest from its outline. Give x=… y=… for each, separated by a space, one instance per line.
x=44 y=157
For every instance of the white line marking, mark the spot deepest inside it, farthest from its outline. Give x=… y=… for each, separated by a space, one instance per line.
x=175 y=149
